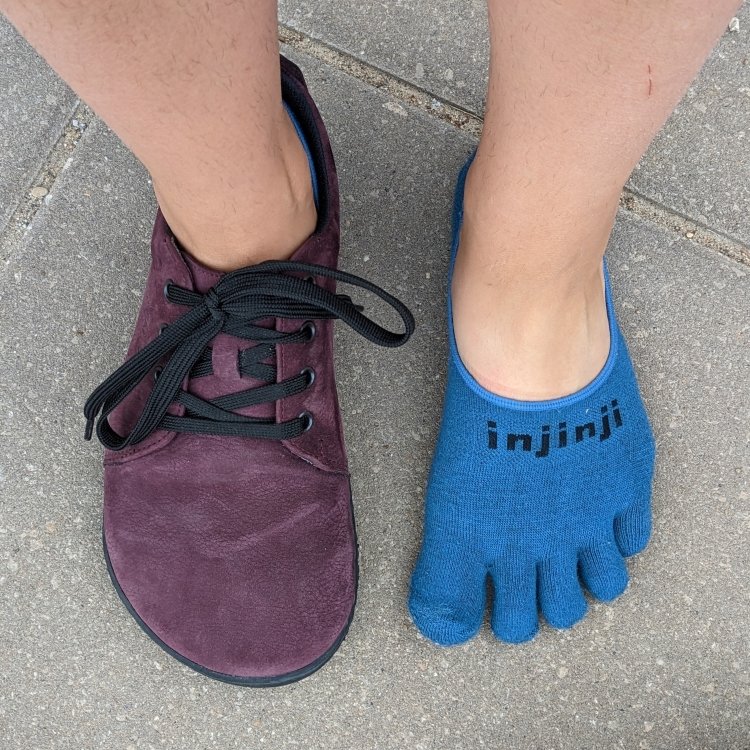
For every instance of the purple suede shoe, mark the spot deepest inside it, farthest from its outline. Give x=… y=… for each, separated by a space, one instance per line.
x=228 y=525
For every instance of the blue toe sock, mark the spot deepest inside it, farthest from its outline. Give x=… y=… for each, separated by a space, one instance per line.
x=545 y=497
x=308 y=153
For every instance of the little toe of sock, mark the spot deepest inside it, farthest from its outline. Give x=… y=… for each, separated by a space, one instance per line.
x=560 y=596
x=514 y=611
x=633 y=527
x=602 y=569
x=448 y=594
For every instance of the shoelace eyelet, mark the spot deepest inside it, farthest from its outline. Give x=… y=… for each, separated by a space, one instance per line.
x=309 y=421
x=310 y=328
x=163 y=327
x=185 y=345
x=310 y=375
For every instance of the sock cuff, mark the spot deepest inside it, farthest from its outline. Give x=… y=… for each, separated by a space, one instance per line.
x=468 y=378
x=308 y=152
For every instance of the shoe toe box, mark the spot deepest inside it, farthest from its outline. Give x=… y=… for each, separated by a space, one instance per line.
x=244 y=570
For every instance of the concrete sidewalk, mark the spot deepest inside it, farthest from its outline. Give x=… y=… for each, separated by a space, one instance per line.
x=666 y=667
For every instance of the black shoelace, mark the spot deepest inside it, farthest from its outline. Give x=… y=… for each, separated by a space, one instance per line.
x=232 y=306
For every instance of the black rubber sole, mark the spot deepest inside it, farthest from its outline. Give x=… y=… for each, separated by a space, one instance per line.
x=256 y=682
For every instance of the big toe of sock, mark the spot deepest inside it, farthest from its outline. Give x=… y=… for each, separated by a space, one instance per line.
x=447 y=596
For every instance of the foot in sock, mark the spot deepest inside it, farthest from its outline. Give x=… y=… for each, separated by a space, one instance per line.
x=545 y=497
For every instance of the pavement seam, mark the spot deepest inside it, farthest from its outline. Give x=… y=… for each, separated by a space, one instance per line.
x=40 y=188
x=701 y=234
x=371 y=75
x=471 y=123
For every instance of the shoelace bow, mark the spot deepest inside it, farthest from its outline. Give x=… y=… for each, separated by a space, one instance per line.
x=238 y=299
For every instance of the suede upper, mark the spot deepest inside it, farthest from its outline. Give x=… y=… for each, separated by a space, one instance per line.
x=237 y=553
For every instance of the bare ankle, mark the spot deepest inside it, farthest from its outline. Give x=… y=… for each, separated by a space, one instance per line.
x=259 y=213
x=528 y=297
x=526 y=342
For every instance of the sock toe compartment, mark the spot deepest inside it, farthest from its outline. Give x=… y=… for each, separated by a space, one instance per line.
x=514 y=611
x=602 y=570
x=447 y=599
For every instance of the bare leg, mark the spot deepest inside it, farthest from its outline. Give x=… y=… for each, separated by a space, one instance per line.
x=193 y=89
x=577 y=91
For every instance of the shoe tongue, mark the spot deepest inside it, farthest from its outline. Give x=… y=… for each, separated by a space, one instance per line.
x=203 y=278
x=225 y=351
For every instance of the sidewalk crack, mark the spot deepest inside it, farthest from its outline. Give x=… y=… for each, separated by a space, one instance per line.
x=38 y=193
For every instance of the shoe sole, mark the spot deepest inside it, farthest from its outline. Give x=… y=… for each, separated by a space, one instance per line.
x=256 y=682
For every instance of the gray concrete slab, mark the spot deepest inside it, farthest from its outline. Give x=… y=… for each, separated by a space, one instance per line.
x=697 y=166
x=665 y=667
x=36 y=104
x=441 y=46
